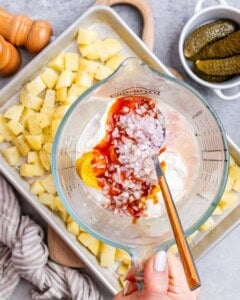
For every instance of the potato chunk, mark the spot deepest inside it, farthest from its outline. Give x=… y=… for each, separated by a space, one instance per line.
x=36 y=86
x=86 y=36
x=106 y=255
x=14 y=112
x=15 y=127
x=58 y=62
x=90 y=242
x=49 y=77
x=65 y=79
x=71 y=61
x=11 y=155
x=31 y=101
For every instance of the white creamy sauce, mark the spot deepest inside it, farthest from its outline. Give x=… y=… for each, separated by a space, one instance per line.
x=181 y=157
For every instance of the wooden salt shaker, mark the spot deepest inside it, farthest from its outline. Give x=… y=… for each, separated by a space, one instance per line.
x=10 y=58
x=20 y=30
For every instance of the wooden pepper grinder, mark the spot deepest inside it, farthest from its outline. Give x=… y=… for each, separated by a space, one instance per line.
x=20 y=30
x=10 y=58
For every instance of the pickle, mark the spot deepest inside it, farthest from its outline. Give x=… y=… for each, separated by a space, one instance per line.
x=226 y=47
x=207 y=34
x=220 y=67
x=209 y=78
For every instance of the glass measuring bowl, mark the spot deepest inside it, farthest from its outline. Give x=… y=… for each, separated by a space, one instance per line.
x=134 y=77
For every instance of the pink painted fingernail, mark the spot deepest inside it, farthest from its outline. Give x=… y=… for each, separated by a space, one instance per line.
x=160 y=261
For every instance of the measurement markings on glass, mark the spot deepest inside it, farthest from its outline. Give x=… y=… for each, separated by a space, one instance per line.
x=197 y=114
x=211 y=159
x=211 y=150
x=68 y=168
x=202 y=197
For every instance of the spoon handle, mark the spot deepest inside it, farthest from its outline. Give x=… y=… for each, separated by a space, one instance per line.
x=183 y=248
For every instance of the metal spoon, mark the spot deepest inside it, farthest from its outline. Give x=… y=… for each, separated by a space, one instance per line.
x=183 y=248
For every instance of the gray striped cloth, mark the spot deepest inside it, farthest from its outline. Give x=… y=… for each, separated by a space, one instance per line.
x=24 y=254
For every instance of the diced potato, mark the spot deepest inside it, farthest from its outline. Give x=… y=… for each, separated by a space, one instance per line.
x=47 y=134
x=11 y=155
x=27 y=170
x=61 y=94
x=31 y=101
x=60 y=111
x=38 y=169
x=106 y=255
x=47 y=111
x=229 y=184
x=192 y=236
x=74 y=92
x=4 y=130
x=71 y=61
x=48 y=184
x=25 y=115
x=33 y=124
x=84 y=79
x=36 y=188
x=228 y=199
x=112 y=46
x=46 y=199
x=32 y=157
x=207 y=225
x=122 y=269
x=49 y=77
x=1 y=138
x=86 y=36
x=21 y=145
x=114 y=61
x=36 y=86
x=44 y=120
x=122 y=256
x=47 y=147
x=69 y=220
x=57 y=204
x=73 y=228
x=234 y=172
x=65 y=79
x=173 y=249
x=88 y=66
x=90 y=242
x=15 y=127
x=58 y=62
x=218 y=211
x=89 y=52
x=55 y=124
x=122 y=280
x=101 y=50
x=49 y=100
x=14 y=112
x=58 y=207
x=34 y=141
x=103 y=72
x=63 y=215
x=236 y=185
x=45 y=159
x=232 y=161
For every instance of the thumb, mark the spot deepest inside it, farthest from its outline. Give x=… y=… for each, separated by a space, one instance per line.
x=156 y=274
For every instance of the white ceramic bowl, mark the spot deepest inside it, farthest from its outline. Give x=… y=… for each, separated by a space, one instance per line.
x=202 y=16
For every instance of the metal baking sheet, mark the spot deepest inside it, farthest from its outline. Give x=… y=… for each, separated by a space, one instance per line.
x=107 y=23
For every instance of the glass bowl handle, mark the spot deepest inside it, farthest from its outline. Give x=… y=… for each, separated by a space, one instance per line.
x=199 y=4
x=221 y=95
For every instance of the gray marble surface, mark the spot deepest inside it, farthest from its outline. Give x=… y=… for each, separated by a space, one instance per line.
x=219 y=269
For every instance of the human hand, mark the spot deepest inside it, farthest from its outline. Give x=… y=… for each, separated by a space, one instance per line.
x=164 y=279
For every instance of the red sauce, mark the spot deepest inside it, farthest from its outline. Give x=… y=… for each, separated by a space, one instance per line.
x=107 y=156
